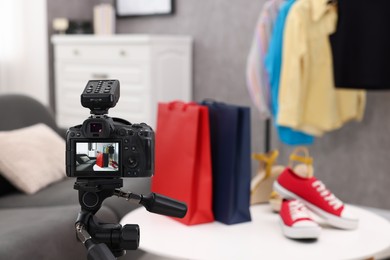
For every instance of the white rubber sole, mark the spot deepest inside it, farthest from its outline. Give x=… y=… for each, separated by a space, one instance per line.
x=300 y=232
x=333 y=220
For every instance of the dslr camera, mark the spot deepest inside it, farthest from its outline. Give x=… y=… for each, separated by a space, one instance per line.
x=104 y=147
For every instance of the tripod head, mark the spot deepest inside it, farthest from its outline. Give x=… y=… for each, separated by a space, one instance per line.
x=107 y=241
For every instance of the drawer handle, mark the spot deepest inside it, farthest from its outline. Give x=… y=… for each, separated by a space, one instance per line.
x=122 y=53
x=100 y=76
x=76 y=52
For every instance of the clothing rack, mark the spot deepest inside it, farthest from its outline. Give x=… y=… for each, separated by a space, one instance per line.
x=267 y=135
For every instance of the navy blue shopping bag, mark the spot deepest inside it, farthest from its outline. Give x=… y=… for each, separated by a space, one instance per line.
x=231 y=165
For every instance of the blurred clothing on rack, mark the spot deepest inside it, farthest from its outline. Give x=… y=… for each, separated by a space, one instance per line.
x=308 y=100
x=361 y=51
x=273 y=64
x=257 y=78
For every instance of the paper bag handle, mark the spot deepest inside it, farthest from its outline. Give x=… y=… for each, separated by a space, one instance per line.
x=301 y=154
x=180 y=104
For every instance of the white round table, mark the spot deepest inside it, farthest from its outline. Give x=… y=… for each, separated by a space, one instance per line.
x=261 y=238
x=97 y=168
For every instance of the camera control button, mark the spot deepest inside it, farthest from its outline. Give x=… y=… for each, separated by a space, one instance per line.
x=133 y=162
x=133 y=148
x=126 y=141
x=133 y=173
x=144 y=133
x=72 y=134
x=126 y=148
x=122 y=132
x=78 y=134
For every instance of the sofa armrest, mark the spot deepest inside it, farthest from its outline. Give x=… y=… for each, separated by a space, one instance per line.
x=62 y=132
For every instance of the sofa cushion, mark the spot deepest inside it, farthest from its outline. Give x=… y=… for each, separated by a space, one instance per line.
x=22 y=111
x=32 y=157
x=84 y=158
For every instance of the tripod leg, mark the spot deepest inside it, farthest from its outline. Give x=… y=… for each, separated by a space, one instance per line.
x=94 y=251
x=114 y=236
x=98 y=251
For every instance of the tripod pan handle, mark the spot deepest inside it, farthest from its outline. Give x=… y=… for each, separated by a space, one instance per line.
x=163 y=205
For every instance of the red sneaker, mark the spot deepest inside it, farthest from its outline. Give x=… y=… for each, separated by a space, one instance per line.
x=316 y=197
x=296 y=221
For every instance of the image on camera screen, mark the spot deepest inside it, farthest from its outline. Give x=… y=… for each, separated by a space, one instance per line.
x=97 y=156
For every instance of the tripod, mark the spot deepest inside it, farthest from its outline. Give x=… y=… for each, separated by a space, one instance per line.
x=107 y=241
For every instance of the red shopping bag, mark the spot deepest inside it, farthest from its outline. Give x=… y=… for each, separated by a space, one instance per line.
x=99 y=160
x=183 y=159
x=102 y=160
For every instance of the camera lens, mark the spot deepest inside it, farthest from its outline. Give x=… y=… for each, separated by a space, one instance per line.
x=133 y=162
x=96 y=127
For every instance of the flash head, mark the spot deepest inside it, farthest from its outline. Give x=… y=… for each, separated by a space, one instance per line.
x=100 y=95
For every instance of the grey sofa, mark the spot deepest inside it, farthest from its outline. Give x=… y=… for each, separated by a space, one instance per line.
x=41 y=226
x=82 y=165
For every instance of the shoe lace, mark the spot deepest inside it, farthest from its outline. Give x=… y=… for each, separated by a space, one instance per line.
x=298 y=210
x=327 y=195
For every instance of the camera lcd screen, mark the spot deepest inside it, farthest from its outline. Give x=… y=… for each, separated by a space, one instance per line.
x=97 y=156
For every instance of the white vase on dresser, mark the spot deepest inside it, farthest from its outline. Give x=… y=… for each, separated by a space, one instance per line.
x=150 y=68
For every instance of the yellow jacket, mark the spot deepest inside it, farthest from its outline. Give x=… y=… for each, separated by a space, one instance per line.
x=308 y=100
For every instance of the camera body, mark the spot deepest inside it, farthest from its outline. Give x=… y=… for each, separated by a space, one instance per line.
x=105 y=147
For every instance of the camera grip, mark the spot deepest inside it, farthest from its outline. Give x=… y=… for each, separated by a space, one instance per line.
x=163 y=205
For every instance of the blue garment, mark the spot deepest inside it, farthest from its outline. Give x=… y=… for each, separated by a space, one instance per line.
x=273 y=65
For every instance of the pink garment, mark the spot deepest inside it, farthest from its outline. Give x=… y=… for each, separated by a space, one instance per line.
x=256 y=75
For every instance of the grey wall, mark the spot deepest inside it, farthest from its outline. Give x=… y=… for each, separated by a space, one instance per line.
x=353 y=161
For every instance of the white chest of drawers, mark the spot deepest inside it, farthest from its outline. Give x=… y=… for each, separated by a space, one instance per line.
x=150 y=69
